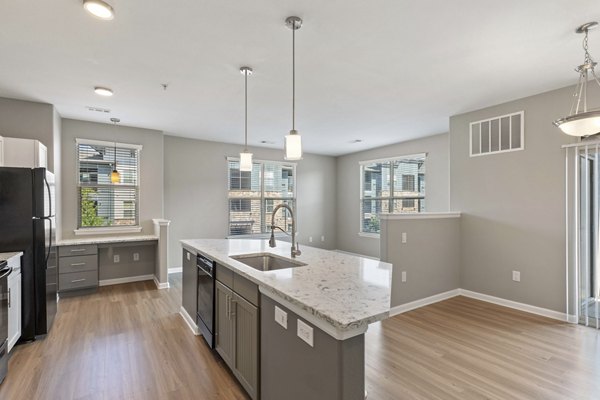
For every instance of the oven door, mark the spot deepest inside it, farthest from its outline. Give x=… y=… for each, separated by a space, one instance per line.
x=206 y=290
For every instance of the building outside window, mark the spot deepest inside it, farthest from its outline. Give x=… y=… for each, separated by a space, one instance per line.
x=102 y=203
x=395 y=185
x=253 y=195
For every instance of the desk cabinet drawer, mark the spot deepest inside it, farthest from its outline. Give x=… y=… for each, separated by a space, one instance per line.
x=77 y=264
x=82 y=250
x=78 y=280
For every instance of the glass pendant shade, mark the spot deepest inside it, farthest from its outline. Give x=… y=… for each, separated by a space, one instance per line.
x=246 y=161
x=582 y=124
x=293 y=146
x=115 y=177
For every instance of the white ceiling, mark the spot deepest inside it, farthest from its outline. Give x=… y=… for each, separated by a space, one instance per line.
x=383 y=71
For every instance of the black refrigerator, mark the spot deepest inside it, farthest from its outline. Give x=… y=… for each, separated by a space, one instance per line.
x=27 y=224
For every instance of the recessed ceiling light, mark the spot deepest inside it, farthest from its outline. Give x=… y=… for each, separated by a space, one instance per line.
x=102 y=91
x=99 y=8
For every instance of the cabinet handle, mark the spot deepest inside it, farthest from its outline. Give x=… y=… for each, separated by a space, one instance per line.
x=77 y=264
x=77 y=250
x=9 y=297
x=227 y=306
x=78 y=280
x=231 y=307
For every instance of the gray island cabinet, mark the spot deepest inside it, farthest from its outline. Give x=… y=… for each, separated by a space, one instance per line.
x=295 y=333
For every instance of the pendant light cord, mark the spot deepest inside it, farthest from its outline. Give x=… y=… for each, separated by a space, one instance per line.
x=294 y=77
x=246 y=111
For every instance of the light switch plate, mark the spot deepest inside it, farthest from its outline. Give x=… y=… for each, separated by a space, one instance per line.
x=305 y=332
x=281 y=317
x=403 y=276
x=516 y=276
x=403 y=237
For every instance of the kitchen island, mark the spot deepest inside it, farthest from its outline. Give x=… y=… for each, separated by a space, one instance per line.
x=312 y=318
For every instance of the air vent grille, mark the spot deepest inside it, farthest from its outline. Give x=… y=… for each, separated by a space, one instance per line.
x=98 y=109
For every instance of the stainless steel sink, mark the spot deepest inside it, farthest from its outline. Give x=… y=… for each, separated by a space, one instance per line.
x=267 y=261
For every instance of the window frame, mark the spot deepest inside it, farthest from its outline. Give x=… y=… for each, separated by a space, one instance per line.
x=96 y=230
x=499 y=118
x=390 y=199
x=262 y=198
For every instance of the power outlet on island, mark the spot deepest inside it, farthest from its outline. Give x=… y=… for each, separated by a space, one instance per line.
x=403 y=276
x=403 y=237
x=136 y=256
x=116 y=258
x=305 y=332
x=281 y=317
x=516 y=276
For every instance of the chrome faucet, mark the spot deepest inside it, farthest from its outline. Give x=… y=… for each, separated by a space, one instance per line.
x=295 y=246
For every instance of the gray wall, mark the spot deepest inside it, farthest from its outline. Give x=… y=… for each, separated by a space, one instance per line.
x=513 y=205
x=430 y=257
x=29 y=120
x=151 y=169
x=126 y=267
x=348 y=187
x=196 y=192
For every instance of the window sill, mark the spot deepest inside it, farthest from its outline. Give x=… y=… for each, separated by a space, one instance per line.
x=102 y=231
x=259 y=236
x=369 y=235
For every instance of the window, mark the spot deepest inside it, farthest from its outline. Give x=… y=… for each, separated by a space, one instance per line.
x=102 y=203
x=253 y=195
x=391 y=186
x=498 y=134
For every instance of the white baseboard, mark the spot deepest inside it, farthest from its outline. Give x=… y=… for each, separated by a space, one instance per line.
x=175 y=270
x=160 y=285
x=544 y=312
x=402 y=308
x=189 y=321
x=129 y=279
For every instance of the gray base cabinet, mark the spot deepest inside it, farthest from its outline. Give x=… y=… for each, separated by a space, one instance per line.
x=189 y=287
x=237 y=331
x=77 y=267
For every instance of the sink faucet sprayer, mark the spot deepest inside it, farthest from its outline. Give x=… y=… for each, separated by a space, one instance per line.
x=295 y=246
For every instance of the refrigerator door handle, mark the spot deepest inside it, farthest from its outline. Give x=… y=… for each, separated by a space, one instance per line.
x=49 y=245
x=50 y=214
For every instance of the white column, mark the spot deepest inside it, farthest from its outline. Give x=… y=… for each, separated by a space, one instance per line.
x=161 y=273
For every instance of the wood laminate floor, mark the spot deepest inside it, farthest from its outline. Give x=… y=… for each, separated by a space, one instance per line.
x=129 y=342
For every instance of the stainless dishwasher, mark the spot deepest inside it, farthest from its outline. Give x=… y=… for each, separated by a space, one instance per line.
x=206 y=298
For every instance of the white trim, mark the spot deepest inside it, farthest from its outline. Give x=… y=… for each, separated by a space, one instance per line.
x=517 y=306
x=258 y=161
x=159 y=285
x=129 y=279
x=489 y=120
x=111 y=229
x=188 y=320
x=322 y=325
x=356 y=254
x=402 y=308
x=390 y=159
x=108 y=143
x=423 y=215
x=161 y=222
x=175 y=270
x=369 y=235
x=581 y=144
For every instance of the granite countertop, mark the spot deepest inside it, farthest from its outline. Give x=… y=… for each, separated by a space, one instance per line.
x=105 y=239
x=337 y=290
x=8 y=256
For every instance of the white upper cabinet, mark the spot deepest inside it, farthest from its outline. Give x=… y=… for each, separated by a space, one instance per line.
x=26 y=153
x=1 y=151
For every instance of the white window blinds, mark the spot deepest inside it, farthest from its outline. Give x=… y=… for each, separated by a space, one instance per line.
x=102 y=203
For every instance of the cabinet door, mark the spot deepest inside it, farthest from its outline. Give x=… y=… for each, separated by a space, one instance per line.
x=1 y=151
x=14 y=310
x=224 y=333
x=189 y=287
x=246 y=345
x=41 y=155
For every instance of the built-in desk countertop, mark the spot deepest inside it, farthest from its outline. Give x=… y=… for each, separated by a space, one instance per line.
x=106 y=240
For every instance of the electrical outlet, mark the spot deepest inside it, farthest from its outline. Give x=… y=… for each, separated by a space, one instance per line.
x=281 y=317
x=136 y=256
x=516 y=276
x=322 y=238
x=403 y=276
x=187 y=253
x=305 y=332
x=403 y=237
x=116 y=258
x=310 y=239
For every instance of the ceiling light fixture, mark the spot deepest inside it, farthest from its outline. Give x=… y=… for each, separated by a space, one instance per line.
x=293 y=141
x=246 y=156
x=99 y=9
x=580 y=121
x=115 y=177
x=103 y=91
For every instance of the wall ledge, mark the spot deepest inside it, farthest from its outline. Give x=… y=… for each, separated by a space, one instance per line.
x=424 y=215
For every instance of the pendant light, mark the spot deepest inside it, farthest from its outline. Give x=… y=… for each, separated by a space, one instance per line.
x=115 y=177
x=580 y=121
x=293 y=141
x=245 y=156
